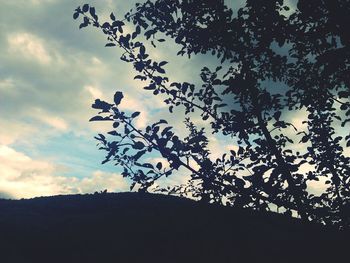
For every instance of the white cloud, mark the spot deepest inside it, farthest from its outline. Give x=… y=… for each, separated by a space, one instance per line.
x=12 y=131
x=102 y=180
x=24 y=177
x=95 y=92
x=346 y=151
x=93 y=67
x=217 y=147
x=28 y=3
x=40 y=2
x=180 y=177
x=29 y=46
x=298 y=118
x=131 y=104
x=6 y=84
x=49 y=119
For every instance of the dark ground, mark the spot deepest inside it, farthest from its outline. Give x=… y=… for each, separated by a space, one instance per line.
x=132 y=227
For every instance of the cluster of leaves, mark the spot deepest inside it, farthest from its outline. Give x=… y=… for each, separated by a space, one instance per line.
x=306 y=52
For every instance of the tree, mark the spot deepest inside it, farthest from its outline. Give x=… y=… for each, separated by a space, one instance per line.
x=306 y=52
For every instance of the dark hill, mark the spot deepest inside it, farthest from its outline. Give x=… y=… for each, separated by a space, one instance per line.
x=132 y=227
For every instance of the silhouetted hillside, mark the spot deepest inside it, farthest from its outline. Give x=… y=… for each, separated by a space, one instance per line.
x=133 y=227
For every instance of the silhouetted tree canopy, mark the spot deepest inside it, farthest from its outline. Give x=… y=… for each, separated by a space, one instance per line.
x=271 y=61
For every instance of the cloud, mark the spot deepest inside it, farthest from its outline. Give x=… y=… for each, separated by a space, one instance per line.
x=49 y=119
x=40 y=2
x=24 y=177
x=6 y=84
x=49 y=83
x=219 y=146
x=12 y=131
x=102 y=180
x=132 y=104
x=347 y=152
x=28 y=46
x=49 y=77
x=95 y=92
x=298 y=118
x=34 y=3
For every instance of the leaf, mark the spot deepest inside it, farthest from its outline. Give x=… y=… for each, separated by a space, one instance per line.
x=159 y=165
x=106 y=25
x=304 y=139
x=135 y=114
x=110 y=45
x=118 y=96
x=151 y=86
x=114 y=133
x=162 y=121
x=139 y=154
x=138 y=145
x=98 y=118
x=343 y=94
x=142 y=50
x=101 y=138
x=149 y=33
x=166 y=130
x=240 y=150
x=147 y=165
x=101 y=105
x=140 y=77
x=155 y=129
x=85 y=8
x=217 y=82
x=105 y=161
x=220 y=105
x=138 y=30
x=75 y=15
x=344 y=106
x=239 y=182
x=160 y=70
x=302 y=162
x=93 y=12
x=277 y=115
x=112 y=16
x=82 y=25
x=161 y=64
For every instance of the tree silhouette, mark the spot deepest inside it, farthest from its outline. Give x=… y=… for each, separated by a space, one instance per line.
x=271 y=61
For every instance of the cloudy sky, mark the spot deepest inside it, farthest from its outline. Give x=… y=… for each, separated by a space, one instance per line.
x=50 y=74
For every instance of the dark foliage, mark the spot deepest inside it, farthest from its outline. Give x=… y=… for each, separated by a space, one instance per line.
x=135 y=227
x=307 y=52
